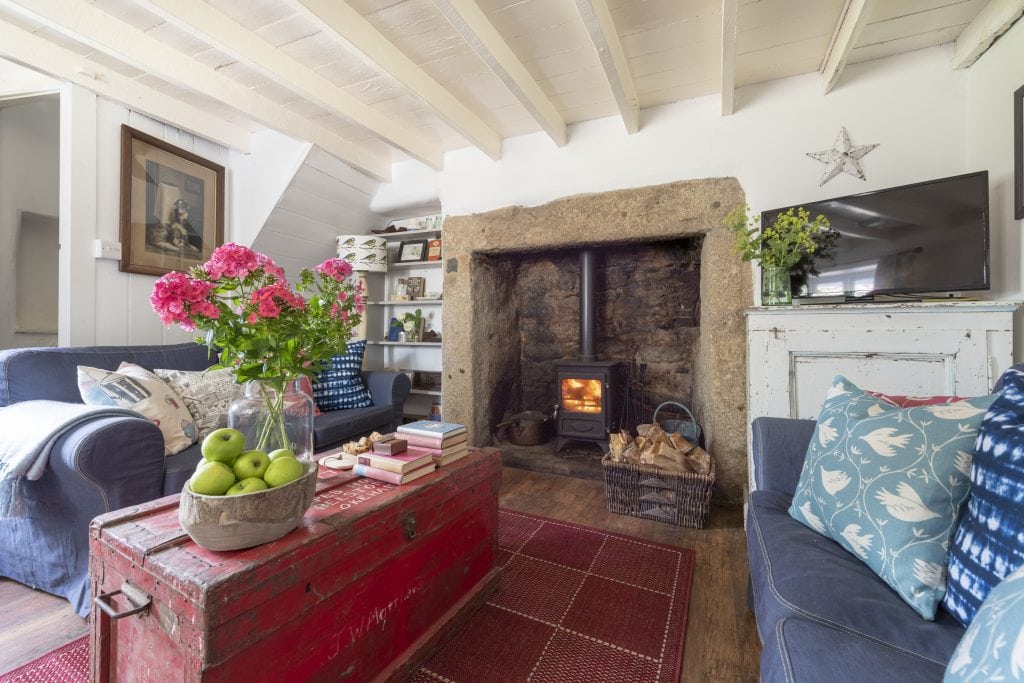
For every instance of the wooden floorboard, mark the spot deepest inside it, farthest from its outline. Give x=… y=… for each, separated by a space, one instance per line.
x=721 y=640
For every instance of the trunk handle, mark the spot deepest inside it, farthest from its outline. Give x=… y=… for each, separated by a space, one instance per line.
x=137 y=598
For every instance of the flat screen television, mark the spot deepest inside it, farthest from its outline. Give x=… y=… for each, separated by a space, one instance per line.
x=919 y=239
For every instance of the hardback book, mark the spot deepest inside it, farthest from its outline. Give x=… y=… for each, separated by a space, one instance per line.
x=444 y=450
x=434 y=442
x=432 y=428
x=392 y=477
x=442 y=460
x=406 y=461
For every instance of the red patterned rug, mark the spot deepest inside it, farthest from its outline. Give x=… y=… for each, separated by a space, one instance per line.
x=574 y=604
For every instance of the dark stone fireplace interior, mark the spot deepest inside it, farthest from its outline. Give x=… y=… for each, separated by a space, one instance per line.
x=646 y=314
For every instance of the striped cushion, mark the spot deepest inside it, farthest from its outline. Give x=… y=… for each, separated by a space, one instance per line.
x=341 y=384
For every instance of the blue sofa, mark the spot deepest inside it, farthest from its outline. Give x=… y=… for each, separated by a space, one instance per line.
x=113 y=462
x=822 y=614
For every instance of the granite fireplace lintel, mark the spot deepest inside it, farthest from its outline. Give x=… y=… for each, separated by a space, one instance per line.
x=472 y=343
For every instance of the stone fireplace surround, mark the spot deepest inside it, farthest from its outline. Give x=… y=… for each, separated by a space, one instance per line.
x=473 y=345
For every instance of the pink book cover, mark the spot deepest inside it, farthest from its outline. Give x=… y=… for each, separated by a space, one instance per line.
x=409 y=459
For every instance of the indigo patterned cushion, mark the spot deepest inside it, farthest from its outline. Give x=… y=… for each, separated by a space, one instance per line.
x=989 y=544
x=993 y=647
x=341 y=384
x=887 y=485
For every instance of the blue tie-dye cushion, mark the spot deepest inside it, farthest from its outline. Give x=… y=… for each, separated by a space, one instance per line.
x=989 y=544
x=887 y=484
x=340 y=385
x=993 y=647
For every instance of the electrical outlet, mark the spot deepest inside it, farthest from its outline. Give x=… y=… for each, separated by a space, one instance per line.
x=107 y=249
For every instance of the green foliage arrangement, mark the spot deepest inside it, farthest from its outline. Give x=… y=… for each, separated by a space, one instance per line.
x=791 y=238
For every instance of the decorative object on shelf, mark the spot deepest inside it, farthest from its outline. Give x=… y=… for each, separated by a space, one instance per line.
x=781 y=246
x=259 y=327
x=414 y=287
x=172 y=205
x=412 y=250
x=434 y=250
x=1018 y=153
x=394 y=329
x=844 y=157
x=426 y=380
x=412 y=325
x=366 y=254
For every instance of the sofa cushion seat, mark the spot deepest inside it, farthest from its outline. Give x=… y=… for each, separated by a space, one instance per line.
x=798 y=573
x=334 y=426
x=803 y=650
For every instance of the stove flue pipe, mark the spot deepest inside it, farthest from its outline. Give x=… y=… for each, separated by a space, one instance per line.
x=586 y=305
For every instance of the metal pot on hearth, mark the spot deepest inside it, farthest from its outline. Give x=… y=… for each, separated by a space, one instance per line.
x=530 y=428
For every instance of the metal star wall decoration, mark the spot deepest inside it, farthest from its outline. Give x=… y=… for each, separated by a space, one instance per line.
x=844 y=157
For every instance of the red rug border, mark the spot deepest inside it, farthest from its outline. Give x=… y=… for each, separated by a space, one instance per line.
x=689 y=553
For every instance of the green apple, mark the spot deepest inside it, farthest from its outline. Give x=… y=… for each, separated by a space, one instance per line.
x=212 y=479
x=247 y=485
x=282 y=453
x=250 y=464
x=223 y=445
x=282 y=471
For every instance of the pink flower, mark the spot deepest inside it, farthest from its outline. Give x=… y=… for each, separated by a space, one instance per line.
x=335 y=268
x=232 y=260
x=268 y=300
x=178 y=298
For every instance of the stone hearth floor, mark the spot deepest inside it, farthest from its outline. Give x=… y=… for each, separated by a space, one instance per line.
x=577 y=459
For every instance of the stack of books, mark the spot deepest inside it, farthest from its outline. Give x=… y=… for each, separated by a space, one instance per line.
x=445 y=441
x=413 y=452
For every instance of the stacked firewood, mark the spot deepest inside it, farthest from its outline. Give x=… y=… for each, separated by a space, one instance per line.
x=653 y=446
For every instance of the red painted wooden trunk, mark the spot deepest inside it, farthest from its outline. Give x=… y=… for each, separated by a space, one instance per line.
x=374 y=577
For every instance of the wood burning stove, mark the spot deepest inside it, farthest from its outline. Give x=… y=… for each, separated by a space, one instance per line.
x=589 y=391
x=589 y=401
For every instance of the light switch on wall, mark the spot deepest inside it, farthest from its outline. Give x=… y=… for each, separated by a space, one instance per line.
x=107 y=249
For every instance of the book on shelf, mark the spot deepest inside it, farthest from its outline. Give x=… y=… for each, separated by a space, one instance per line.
x=406 y=461
x=442 y=460
x=435 y=442
x=432 y=428
x=392 y=477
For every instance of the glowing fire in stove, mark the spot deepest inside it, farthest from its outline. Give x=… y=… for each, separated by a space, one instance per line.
x=581 y=395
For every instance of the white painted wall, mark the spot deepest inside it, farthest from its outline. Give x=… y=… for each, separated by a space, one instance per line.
x=28 y=182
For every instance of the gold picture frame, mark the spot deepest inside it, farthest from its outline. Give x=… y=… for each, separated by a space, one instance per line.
x=172 y=205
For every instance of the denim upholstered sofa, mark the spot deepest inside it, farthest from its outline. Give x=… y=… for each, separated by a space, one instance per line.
x=113 y=462
x=822 y=614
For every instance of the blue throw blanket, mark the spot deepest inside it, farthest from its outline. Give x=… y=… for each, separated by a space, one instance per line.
x=28 y=432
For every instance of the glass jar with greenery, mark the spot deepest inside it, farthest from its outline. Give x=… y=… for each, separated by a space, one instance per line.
x=792 y=238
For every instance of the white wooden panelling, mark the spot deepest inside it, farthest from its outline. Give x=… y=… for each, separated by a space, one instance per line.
x=906 y=349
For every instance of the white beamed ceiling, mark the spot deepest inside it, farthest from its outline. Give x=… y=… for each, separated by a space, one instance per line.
x=403 y=82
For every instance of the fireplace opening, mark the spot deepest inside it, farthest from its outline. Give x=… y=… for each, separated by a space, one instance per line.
x=577 y=341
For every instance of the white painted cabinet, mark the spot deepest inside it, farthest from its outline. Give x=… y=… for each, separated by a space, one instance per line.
x=957 y=348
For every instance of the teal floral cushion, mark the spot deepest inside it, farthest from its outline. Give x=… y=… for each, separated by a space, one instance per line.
x=887 y=484
x=992 y=649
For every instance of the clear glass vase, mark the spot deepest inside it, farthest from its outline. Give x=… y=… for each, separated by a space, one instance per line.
x=775 y=286
x=274 y=415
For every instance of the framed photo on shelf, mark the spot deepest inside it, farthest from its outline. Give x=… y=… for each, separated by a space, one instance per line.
x=414 y=287
x=172 y=205
x=1018 y=153
x=412 y=250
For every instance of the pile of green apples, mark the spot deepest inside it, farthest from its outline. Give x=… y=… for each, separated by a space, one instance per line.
x=227 y=469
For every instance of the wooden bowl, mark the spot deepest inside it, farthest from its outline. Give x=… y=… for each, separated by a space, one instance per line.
x=235 y=522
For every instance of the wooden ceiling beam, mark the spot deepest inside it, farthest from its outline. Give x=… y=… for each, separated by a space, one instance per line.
x=225 y=34
x=476 y=29
x=101 y=32
x=851 y=24
x=362 y=38
x=729 y=13
x=598 y=20
x=40 y=54
x=991 y=22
